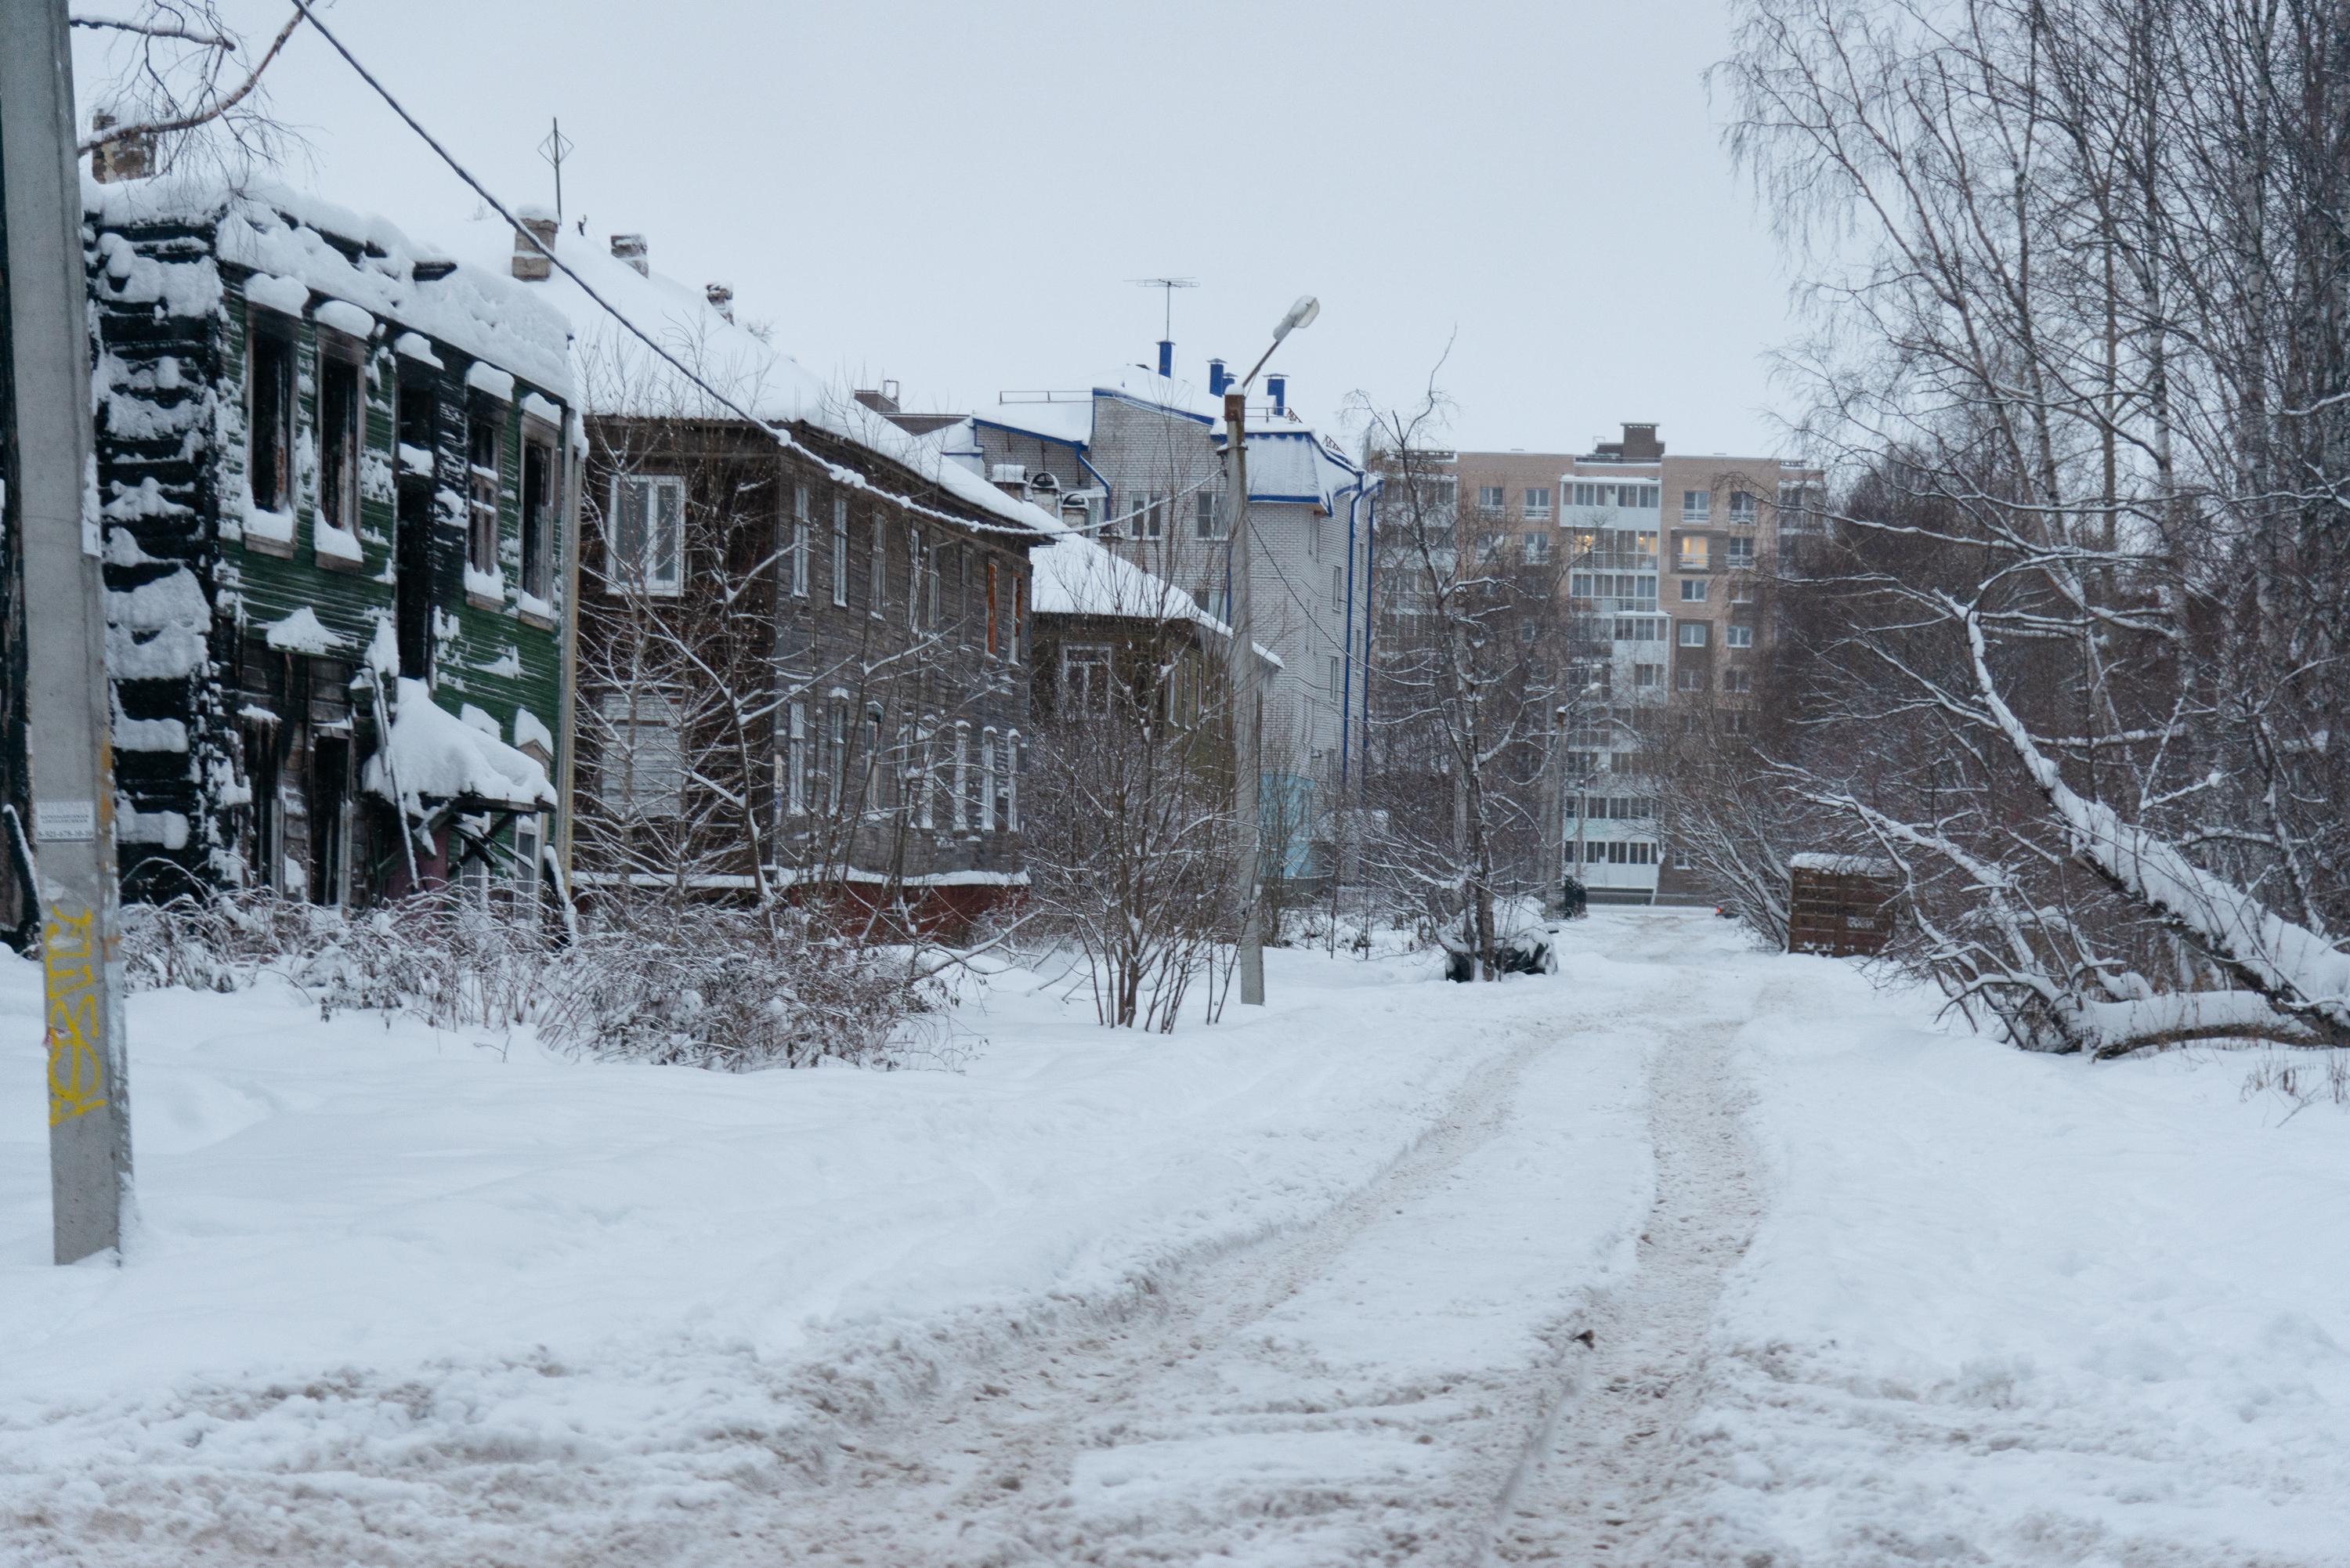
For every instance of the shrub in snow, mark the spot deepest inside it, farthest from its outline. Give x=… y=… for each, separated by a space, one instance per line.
x=699 y=985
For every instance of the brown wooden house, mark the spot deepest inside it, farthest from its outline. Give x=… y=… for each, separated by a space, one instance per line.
x=803 y=657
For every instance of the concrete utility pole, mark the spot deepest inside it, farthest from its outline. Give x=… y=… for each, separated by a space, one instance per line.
x=49 y=463
x=1248 y=708
x=1248 y=705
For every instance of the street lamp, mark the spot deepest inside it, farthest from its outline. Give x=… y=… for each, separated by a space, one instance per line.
x=1248 y=781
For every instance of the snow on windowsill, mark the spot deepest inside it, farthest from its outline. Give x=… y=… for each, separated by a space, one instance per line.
x=337 y=546
x=488 y=589
x=535 y=610
x=272 y=532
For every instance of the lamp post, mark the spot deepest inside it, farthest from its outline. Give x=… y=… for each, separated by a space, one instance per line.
x=1248 y=703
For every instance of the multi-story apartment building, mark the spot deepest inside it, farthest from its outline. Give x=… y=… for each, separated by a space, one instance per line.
x=1665 y=553
x=1137 y=460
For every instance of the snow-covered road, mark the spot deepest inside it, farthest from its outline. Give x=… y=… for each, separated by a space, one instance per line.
x=1690 y=1255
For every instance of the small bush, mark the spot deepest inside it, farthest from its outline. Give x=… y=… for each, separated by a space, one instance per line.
x=705 y=986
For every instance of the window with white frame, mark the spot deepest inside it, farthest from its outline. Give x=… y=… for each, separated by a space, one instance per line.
x=1693 y=634
x=926 y=738
x=1331 y=674
x=1648 y=676
x=648 y=534
x=870 y=740
x=1696 y=553
x=1690 y=677
x=1738 y=636
x=987 y=781
x=1536 y=502
x=1697 y=506
x=542 y=493
x=642 y=767
x=1738 y=678
x=1012 y=781
x=1537 y=548
x=1693 y=590
x=1490 y=497
x=1085 y=678
x=484 y=443
x=529 y=833
x=836 y=759
x=1207 y=518
x=960 y=806
x=795 y=758
x=876 y=570
x=1741 y=507
x=1738 y=555
x=913 y=579
x=1741 y=591
x=840 y=550
x=800 y=542
x=1337 y=588
x=1149 y=515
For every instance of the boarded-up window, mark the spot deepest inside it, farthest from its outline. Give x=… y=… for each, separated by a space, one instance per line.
x=643 y=760
x=339 y=443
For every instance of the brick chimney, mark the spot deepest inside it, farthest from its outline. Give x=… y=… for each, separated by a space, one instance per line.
x=1640 y=444
x=530 y=263
x=132 y=158
x=631 y=248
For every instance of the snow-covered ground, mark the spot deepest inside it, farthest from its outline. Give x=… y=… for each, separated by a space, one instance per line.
x=1690 y=1254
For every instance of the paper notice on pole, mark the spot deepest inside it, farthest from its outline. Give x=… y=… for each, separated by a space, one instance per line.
x=65 y=821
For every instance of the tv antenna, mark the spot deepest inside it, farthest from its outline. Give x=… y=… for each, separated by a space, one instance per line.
x=555 y=149
x=1170 y=284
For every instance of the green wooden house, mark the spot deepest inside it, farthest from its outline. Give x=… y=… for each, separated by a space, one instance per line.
x=337 y=472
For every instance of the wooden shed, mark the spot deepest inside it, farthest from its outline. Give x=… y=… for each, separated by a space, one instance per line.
x=1839 y=905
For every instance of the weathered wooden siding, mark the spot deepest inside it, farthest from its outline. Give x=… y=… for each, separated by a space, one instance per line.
x=173 y=457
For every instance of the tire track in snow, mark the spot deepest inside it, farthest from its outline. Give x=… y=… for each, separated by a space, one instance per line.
x=983 y=1476
x=1607 y=1479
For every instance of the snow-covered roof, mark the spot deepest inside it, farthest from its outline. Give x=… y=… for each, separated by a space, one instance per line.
x=432 y=756
x=1070 y=420
x=1075 y=575
x=1291 y=463
x=618 y=375
x=1840 y=865
x=288 y=240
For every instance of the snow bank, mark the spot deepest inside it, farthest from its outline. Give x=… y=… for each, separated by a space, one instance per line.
x=432 y=756
x=2019 y=1308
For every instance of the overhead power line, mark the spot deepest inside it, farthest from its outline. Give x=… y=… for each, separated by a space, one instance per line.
x=840 y=472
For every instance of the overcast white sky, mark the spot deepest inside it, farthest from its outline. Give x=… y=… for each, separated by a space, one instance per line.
x=957 y=195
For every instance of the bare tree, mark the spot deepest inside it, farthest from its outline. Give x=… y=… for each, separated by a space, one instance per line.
x=2070 y=648
x=179 y=82
x=1478 y=675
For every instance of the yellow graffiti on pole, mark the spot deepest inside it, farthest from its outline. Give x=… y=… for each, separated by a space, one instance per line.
x=68 y=960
